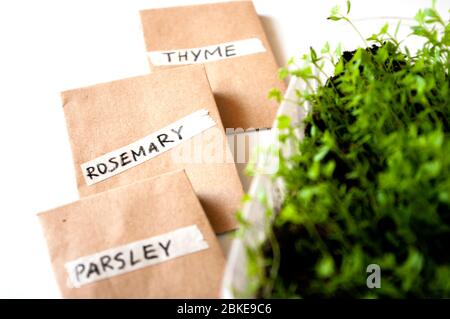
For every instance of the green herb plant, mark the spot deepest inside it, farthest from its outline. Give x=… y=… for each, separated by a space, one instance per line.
x=369 y=182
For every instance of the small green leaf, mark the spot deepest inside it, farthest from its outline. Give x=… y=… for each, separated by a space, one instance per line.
x=246 y=198
x=283 y=122
x=242 y=220
x=321 y=154
x=303 y=73
x=283 y=73
x=334 y=18
x=444 y=197
x=420 y=16
x=338 y=50
x=314 y=171
x=313 y=54
x=397 y=28
x=334 y=10
x=291 y=61
x=446 y=37
x=325 y=267
x=326 y=48
x=329 y=167
x=275 y=94
x=384 y=29
x=339 y=67
x=373 y=37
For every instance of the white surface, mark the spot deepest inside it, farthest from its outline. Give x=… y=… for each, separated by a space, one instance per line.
x=52 y=45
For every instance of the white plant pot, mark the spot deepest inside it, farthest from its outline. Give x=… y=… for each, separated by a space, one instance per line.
x=235 y=278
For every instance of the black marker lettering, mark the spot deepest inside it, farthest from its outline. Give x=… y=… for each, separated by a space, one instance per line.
x=146 y=148
x=178 y=132
x=149 y=252
x=230 y=50
x=124 y=158
x=168 y=55
x=79 y=269
x=139 y=153
x=90 y=172
x=166 y=247
x=112 y=160
x=196 y=55
x=93 y=269
x=184 y=56
x=118 y=258
x=163 y=138
x=104 y=261
x=132 y=261
x=152 y=148
x=102 y=168
x=212 y=52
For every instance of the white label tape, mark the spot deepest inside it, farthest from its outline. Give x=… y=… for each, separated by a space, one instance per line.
x=136 y=153
x=209 y=53
x=135 y=255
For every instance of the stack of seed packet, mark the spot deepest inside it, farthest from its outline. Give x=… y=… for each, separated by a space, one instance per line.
x=154 y=171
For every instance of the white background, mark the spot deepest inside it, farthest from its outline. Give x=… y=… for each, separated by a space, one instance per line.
x=48 y=46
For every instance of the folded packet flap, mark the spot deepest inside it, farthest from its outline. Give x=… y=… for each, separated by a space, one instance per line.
x=200 y=25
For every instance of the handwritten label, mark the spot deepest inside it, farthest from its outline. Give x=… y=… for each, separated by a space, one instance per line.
x=136 y=255
x=209 y=53
x=129 y=156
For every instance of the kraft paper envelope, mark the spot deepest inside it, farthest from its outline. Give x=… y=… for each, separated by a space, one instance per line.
x=150 y=239
x=229 y=39
x=120 y=123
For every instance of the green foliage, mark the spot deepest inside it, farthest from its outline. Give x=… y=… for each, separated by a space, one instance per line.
x=370 y=183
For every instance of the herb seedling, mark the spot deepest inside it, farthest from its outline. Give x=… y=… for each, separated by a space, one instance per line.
x=370 y=181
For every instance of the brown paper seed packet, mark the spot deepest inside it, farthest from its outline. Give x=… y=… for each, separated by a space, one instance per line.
x=136 y=128
x=150 y=239
x=229 y=40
